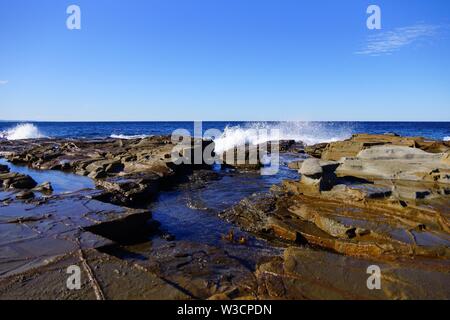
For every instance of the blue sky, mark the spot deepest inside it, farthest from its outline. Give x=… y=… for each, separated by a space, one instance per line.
x=224 y=60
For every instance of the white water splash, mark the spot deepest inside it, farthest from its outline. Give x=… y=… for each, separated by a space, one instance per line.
x=129 y=137
x=446 y=138
x=308 y=132
x=22 y=131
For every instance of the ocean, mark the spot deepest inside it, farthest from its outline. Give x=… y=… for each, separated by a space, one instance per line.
x=233 y=133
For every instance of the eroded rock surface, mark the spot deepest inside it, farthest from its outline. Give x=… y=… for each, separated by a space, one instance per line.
x=102 y=277
x=371 y=200
x=42 y=236
x=396 y=163
x=12 y=180
x=377 y=199
x=303 y=273
x=199 y=270
x=350 y=148
x=130 y=171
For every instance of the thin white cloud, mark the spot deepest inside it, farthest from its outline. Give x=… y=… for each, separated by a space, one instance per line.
x=388 y=42
x=2 y=82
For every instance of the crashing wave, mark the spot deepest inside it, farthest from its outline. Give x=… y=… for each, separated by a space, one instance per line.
x=22 y=131
x=255 y=133
x=129 y=137
x=446 y=138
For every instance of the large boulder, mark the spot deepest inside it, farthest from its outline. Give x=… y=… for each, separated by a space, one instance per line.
x=252 y=212
x=317 y=176
x=25 y=195
x=311 y=168
x=45 y=187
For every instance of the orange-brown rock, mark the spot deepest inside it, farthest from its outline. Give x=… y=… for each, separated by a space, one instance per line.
x=304 y=273
x=350 y=148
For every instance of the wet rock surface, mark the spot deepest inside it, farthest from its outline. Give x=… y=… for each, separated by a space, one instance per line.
x=130 y=171
x=45 y=187
x=371 y=200
x=43 y=229
x=44 y=234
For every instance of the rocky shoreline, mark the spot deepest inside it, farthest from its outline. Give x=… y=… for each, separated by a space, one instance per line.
x=370 y=200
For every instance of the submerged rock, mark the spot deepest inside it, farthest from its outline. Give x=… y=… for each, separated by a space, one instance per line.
x=4 y=168
x=25 y=195
x=45 y=187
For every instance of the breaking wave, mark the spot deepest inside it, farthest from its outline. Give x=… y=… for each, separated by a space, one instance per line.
x=22 y=131
x=129 y=137
x=308 y=132
x=446 y=138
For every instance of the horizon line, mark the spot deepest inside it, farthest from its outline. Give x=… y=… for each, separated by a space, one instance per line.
x=143 y=121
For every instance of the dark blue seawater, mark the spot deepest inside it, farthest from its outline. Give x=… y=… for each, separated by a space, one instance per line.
x=310 y=131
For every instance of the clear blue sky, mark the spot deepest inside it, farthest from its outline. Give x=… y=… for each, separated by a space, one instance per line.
x=224 y=60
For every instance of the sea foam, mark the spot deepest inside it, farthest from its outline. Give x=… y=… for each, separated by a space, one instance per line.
x=22 y=131
x=129 y=137
x=308 y=132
